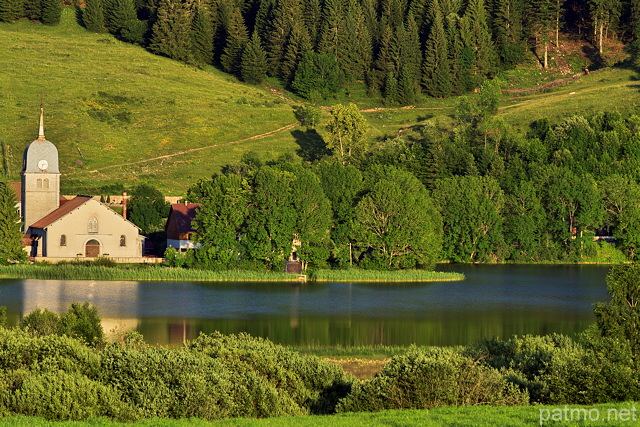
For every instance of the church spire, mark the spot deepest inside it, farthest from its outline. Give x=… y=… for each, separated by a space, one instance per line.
x=41 y=132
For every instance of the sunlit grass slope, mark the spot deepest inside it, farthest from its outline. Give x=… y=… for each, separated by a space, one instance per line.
x=121 y=116
x=612 y=89
x=110 y=105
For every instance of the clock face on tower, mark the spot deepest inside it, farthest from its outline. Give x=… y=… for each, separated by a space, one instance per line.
x=43 y=164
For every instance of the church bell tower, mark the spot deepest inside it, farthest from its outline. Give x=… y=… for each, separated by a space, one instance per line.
x=40 y=178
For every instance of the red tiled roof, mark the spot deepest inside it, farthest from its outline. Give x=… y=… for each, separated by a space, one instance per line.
x=181 y=216
x=17 y=188
x=64 y=209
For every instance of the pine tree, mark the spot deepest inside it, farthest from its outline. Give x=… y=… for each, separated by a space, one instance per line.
x=235 y=43
x=51 y=12
x=11 y=248
x=285 y=15
x=93 y=16
x=172 y=31
x=412 y=54
x=33 y=9
x=506 y=24
x=117 y=13
x=254 y=61
x=10 y=10
x=312 y=16
x=455 y=47
x=383 y=64
x=476 y=36
x=298 y=44
x=436 y=74
x=391 y=91
x=202 y=35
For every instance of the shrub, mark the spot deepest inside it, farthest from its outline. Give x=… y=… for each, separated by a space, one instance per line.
x=312 y=384
x=20 y=350
x=426 y=379
x=179 y=383
x=555 y=369
x=82 y=321
x=58 y=395
x=41 y=322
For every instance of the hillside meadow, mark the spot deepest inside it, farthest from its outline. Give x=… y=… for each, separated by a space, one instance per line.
x=120 y=115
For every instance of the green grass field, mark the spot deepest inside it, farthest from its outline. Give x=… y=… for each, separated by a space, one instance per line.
x=122 y=116
x=616 y=414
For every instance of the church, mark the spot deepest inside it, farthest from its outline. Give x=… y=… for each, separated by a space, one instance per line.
x=58 y=228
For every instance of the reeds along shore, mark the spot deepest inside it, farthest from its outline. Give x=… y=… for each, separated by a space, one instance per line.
x=75 y=272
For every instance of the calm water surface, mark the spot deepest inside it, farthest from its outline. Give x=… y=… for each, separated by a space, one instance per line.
x=494 y=300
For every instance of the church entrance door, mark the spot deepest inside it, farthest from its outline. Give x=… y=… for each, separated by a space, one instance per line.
x=92 y=249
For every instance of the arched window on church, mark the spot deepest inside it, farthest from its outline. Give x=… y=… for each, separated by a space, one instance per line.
x=93 y=225
x=63 y=240
x=46 y=183
x=123 y=240
x=38 y=183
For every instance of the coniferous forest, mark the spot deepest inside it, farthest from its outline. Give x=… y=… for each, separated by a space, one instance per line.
x=397 y=47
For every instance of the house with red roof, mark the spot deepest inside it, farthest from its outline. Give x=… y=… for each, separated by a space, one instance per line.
x=179 y=226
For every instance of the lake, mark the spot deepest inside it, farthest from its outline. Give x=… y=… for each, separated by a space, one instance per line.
x=493 y=301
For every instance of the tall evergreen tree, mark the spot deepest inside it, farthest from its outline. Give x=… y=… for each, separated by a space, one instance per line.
x=298 y=44
x=117 y=13
x=506 y=25
x=254 y=61
x=202 y=32
x=476 y=36
x=33 y=9
x=436 y=74
x=11 y=248
x=172 y=31
x=10 y=10
x=51 y=12
x=286 y=14
x=312 y=16
x=455 y=48
x=383 y=65
x=412 y=54
x=236 y=41
x=93 y=16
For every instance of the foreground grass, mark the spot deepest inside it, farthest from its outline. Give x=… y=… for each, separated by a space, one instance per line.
x=618 y=414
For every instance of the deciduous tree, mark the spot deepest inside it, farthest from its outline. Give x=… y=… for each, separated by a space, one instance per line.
x=346 y=127
x=397 y=223
x=147 y=208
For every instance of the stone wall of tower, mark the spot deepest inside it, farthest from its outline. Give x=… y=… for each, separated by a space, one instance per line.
x=40 y=195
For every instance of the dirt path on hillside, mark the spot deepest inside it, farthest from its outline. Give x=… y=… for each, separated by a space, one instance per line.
x=191 y=150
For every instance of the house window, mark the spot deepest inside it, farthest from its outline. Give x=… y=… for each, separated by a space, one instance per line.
x=63 y=240
x=93 y=225
x=38 y=183
x=46 y=183
x=123 y=240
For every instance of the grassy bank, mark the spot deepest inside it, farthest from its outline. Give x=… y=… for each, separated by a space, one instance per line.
x=75 y=272
x=145 y=272
x=614 y=414
x=355 y=275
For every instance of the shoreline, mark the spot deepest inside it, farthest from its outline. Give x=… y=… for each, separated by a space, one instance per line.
x=75 y=272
